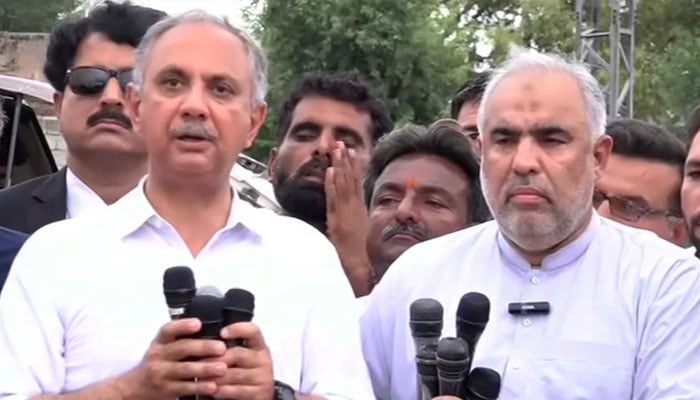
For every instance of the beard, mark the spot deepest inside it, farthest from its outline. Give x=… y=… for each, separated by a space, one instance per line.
x=302 y=198
x=694 y=239
x=541 y=229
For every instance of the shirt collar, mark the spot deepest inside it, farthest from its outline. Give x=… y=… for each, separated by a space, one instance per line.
x=134 y=210
x=559 y=259
x=80 y=198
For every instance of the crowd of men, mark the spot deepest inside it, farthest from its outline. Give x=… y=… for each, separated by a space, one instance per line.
x=527 y=194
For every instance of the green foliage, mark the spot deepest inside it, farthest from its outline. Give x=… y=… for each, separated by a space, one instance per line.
x=34 y=15
x=413 y=52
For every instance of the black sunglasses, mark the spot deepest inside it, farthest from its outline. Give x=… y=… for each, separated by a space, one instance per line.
x=628 y=209
x=89 y=81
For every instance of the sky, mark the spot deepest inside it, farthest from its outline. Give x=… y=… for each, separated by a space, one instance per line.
x=229 y=8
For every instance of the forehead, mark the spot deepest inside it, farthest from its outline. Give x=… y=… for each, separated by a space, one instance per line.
x=328 y=111
x=424 y=170
x=694 y=149
x=629 y=176
x=537 y=96
x=98 y=50
x=200 y=47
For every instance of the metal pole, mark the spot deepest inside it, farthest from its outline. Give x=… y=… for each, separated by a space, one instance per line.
x=13 y=139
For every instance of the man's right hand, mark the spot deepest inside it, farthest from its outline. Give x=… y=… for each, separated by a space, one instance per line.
x=166 y=372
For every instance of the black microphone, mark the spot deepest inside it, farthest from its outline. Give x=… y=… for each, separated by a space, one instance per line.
x=452 y=362
x=426 y=328
x=179 y=289
x=426 y=365
x=472 y=316
x=238 y=306
x=426 y=323
x=207 y=309
x=483 y=384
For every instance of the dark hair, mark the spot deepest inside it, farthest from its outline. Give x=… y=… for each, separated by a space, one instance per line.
x=638 y=139
x=121 y=23
x=345 y=87
x=693 y=125
x=443 y=138
x=471 y=92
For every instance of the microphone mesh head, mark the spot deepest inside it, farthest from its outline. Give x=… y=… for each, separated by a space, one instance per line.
x=206 y=308
x=178 y=286
x=452 y=349
x=209 y=291
x=239 y=299
x=484 y=382
x=474 y=307
x=426 y=310
x=177 y=278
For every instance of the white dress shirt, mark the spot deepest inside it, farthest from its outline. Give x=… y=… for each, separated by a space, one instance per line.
x=624 y=321
x=80 y=198
x=84 y=299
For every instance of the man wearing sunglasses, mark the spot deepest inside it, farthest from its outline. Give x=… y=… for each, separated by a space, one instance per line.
x=641 y=184
x=89 y=62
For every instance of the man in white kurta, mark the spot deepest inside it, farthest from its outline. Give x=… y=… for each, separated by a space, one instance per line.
x=83 y=315
x=625 y=305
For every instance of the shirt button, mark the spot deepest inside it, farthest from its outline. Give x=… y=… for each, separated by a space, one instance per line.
x=535 y=280
x=527 y=322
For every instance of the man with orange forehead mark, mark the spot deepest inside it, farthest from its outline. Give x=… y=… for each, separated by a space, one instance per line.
x=421 y=183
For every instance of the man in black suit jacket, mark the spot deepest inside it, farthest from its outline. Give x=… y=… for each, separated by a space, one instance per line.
x=89 y=62
x=10 y=243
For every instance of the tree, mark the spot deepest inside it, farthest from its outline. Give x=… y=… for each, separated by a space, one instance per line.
x=667 y=72
x=34 y=15
x=413 y=52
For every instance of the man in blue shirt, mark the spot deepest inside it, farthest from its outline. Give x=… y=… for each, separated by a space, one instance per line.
x=10 y=243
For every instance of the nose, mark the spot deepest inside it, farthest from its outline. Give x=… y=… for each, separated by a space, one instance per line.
x=325 y=143
x=526 y=160
x=406 y=211
x=112 y=94
x=194 y=104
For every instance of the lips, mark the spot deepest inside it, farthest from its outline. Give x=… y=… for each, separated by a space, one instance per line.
x=111 y=121
x=405 y=234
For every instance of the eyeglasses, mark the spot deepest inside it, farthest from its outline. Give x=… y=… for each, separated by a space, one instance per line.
x=630 y=210
x=89 y=81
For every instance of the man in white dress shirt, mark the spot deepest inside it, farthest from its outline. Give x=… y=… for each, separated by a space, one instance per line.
x=624 y=320
x=82 y=315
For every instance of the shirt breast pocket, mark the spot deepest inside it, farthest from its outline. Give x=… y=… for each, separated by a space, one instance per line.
x=578 y=370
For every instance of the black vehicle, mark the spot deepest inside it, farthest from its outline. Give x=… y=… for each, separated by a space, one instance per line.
x=24 y=151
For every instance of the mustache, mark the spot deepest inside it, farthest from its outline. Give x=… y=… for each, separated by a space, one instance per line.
x=318 y=164
x=520 y=181
x=195 y=129
x=109 y=114
x=412 y=229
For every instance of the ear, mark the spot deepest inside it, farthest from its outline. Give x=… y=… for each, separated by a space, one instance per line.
x=133 y=104
x=601 y=153
x=58 y=103
x=257 y=117
x=272 y=164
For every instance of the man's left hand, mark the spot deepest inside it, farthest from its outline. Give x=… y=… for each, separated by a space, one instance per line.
x=249 y=375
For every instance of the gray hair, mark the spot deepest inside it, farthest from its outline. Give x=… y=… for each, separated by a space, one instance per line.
x=521 y=59
x=155 y=32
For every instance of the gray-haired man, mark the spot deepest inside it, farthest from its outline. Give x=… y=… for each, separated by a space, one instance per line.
x=84 y=299
x=623 y=315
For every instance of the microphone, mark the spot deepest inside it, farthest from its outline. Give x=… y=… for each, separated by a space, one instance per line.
x=426 y=328
x=483 y=384
x=238 y=306
x=207 y=309
x=178 y=288
x=452 y=362
x=209 y=291
x=426 y=323
x=472 y=316
x=428 y=386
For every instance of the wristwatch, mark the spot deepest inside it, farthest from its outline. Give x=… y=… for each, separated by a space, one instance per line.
x=284 y=391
